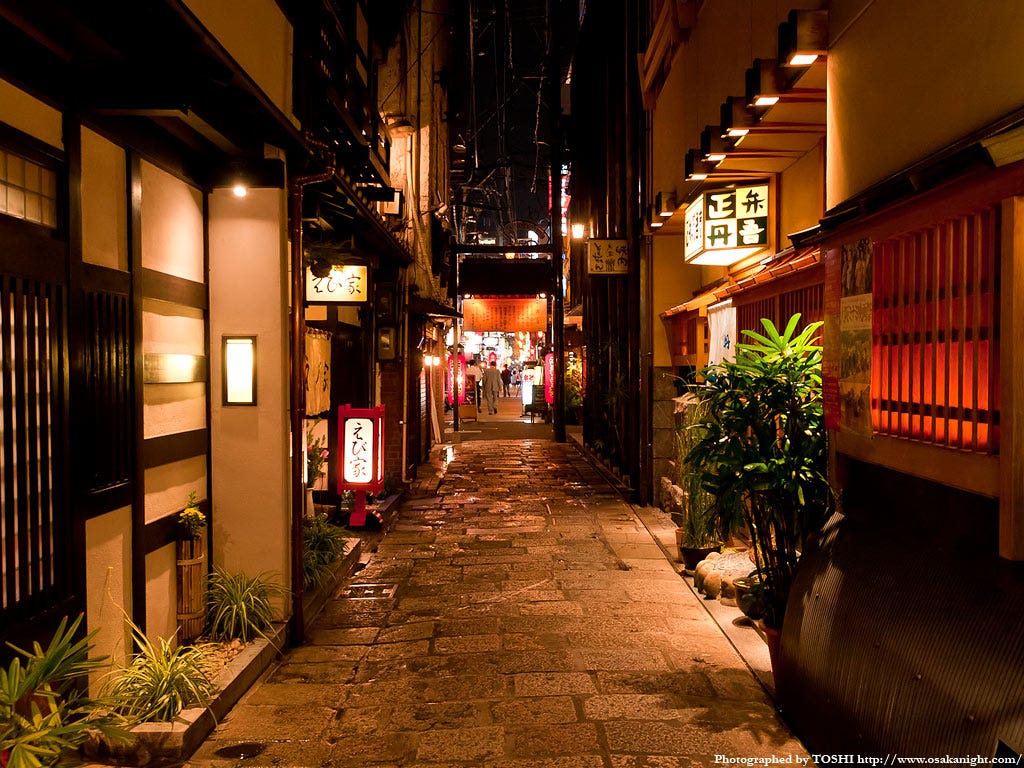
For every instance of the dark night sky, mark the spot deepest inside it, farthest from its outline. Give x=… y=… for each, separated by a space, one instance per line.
x=509 y=122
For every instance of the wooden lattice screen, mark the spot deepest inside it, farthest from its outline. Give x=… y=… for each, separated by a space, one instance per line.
x=935 y=337
x=108 y=368
x=34 y=554
x=808 y=300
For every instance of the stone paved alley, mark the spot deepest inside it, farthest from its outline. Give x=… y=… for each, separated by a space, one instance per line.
x=523 y=616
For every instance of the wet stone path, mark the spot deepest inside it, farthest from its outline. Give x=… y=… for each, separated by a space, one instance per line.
x=523 y=616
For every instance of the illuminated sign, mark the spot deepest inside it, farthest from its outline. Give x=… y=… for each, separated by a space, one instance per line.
x=607 y=257
x=361 y=458
x=456 y=366
x=724 y=226
x=344 y=284
x=549 y=378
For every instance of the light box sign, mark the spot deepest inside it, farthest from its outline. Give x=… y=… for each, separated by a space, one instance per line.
x=725 y=226
x=361 y=458
x=607 y=257
x=344 y=284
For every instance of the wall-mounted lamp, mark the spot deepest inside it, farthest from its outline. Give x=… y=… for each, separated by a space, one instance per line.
x=736 y=118
x=654 y=220
x=713 y=147
x=665 y=204
x=238 y=364
x=763 y=84
x=242 y=174
x=803 y=37
x=695 y=167
x=577 y=231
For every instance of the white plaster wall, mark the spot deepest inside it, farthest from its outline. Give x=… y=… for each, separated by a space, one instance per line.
x=104 y=202
x=672 y=283
x=168 y=486
x=250 y=444
x=30 y=115
x=108 y=596
x=801 y=195
x=171 y=408
x=257 y=35
x=172 y=328
x=161 y=586
x=909 y=78
x=172 y=225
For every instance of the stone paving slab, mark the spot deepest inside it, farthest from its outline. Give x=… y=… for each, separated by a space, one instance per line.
x=538 y=628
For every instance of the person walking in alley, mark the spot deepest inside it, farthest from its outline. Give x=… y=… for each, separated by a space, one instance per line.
x=506 y=380
x=492 y=387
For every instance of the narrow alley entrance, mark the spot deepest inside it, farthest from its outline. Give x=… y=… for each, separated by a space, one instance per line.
x=520 y=616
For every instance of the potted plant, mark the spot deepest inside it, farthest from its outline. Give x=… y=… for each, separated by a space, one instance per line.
x=191 y=570
x=44 y=710
x=762 y=449
x=703 y=526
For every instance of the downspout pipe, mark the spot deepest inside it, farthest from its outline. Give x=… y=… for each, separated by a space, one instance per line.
x=297 y=632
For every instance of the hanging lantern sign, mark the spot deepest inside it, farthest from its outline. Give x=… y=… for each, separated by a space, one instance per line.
x=607 y=257
x=455 y=374
x=361 y=458
x=343 y=284
x=727 y=225
x=549 y=378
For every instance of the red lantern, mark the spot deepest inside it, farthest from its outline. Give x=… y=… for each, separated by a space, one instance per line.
x=450 y=380
x=549 y=378
x=361 y=457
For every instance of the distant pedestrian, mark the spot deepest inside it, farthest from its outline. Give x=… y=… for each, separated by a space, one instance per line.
x=517 y=382
x=492 y=387
x=506 y=380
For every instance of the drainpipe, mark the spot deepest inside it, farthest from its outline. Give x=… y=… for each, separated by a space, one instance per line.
x=298 y=392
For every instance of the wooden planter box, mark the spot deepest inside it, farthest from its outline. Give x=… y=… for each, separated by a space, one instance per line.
x=191 y=557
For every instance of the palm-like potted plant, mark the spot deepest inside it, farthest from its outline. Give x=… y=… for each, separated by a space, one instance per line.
x=762 y=449
x=703 y=525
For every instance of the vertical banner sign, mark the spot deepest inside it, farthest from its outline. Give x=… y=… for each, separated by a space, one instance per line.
x=361 y=458
x=607 y=257
x=549 y=378
x=855 y=337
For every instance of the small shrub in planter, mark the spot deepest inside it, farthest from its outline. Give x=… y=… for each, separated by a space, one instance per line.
x=161 y=680
x=322 y=544
x=239 y=606
x=43 y=710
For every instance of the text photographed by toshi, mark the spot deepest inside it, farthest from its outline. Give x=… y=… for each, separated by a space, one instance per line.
x=361 y=455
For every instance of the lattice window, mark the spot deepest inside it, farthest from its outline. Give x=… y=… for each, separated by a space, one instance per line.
x=27 y=191
x=108 y=375
x=935 y=337
x=34 y=552
x=809 y=301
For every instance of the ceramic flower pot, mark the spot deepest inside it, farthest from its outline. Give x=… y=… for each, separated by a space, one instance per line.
x=692 y=556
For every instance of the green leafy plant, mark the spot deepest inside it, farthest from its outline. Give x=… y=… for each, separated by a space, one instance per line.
x=43 y=709
x=704 y=523
x=161 y=680
x=574 y=383
x=239 y=606
x=191 y=517
x=322 y=544
x=316 y=455
x=762 y=448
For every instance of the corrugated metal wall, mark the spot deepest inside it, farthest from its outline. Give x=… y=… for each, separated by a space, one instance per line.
x=904 y=633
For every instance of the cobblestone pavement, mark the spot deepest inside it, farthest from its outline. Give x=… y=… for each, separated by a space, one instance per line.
x=522 y=616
